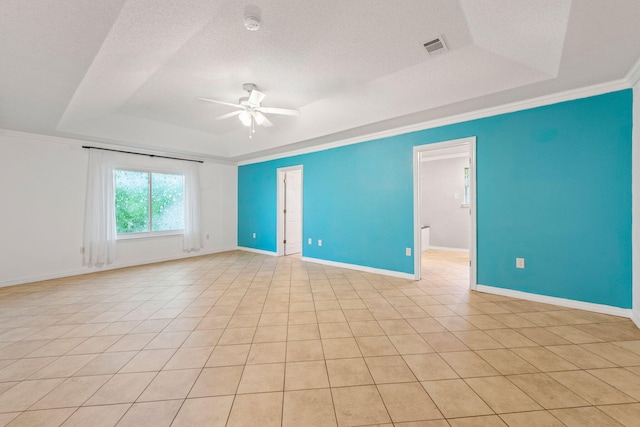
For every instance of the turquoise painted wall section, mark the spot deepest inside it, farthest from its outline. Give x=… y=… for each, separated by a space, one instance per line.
x=553 y=186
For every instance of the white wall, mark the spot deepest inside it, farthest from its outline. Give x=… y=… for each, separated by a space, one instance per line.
x=449 y=222
x=42 y=194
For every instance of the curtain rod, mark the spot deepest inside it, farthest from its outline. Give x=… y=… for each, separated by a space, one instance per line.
x=142 y=154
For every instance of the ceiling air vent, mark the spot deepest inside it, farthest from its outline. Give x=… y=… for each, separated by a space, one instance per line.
x=436 y=46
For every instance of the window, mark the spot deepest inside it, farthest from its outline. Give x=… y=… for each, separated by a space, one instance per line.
x=148 y=202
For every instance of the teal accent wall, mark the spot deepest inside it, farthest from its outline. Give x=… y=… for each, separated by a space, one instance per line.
x=553 y=187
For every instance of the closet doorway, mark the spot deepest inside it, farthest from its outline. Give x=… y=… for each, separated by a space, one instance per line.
x=290 y=210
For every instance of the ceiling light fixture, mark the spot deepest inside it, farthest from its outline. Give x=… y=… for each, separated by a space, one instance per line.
x=245 y=118
x=259 y=117
x=250 y=118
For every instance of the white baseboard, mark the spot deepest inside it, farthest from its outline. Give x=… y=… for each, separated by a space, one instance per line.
x=380 y=271
x=445 y=248
x=635 y=316
x=257 y=251
x=114 y=266
x=563 y=302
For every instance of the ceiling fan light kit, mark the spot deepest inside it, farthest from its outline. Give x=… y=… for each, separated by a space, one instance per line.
x=245 y=117
x=259 y=117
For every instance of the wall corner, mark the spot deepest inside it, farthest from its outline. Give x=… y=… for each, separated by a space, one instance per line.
x=635 y=205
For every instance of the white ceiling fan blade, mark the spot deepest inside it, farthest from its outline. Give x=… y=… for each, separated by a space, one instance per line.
x=226 y=116
x=256 y=97
x=215 y=101
x=273 y=110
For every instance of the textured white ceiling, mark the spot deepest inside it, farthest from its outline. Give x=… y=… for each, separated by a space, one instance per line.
x=127 y=72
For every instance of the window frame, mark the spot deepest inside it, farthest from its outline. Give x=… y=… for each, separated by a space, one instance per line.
x=150 y=233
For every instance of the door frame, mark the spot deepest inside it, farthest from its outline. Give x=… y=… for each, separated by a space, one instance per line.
x=417 y=205
x=280 y=207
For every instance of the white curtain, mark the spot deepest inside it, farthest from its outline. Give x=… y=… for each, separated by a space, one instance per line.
x=99 y=216
x=192 y=234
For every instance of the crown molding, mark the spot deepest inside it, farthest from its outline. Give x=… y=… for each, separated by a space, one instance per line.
x=631 y=79
x=633 y=76
x=36 y=137
x=541 y=101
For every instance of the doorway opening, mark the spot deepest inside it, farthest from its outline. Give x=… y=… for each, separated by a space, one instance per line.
x=289 y=228
x=462 y=195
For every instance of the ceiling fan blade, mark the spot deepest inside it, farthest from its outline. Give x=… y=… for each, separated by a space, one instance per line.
x=226 y=116
x=256 y=97
x=215 y=101
x=273 y=110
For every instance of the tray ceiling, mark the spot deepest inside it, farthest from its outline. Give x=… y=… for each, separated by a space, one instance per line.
x=127 y=72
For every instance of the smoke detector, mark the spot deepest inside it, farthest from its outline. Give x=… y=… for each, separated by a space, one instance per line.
x=251 y=23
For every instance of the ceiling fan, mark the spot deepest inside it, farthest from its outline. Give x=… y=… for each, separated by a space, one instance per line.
x=250 y=111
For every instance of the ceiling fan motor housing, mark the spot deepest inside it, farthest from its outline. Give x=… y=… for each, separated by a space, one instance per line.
x=248 y=87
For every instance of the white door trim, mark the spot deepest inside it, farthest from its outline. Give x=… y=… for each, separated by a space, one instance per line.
x=280 y=206
x=417 y=208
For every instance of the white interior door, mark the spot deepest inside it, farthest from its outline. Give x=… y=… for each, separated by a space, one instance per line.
x=293 y=211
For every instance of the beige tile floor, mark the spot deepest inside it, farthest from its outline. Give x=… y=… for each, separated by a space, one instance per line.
x=240 y=339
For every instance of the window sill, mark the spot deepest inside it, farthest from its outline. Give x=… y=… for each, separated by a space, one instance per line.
x=148 y=235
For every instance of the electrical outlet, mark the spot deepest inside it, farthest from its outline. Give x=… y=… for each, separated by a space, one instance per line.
x=519 y=262
x=319 y=242
x=207 y=237
x=254 y=235
x=408 y=251
x=310 y=241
